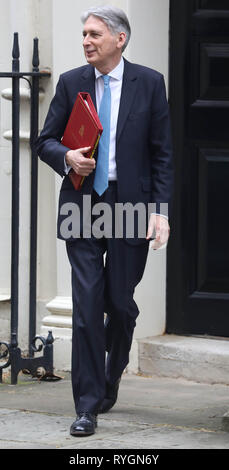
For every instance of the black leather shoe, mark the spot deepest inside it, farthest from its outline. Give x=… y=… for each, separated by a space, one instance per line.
x=84 y=425
x=110 y=397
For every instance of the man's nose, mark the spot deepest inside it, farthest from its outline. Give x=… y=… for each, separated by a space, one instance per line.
x=86 y=40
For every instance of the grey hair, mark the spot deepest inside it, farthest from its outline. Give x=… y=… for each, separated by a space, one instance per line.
x=115 y=19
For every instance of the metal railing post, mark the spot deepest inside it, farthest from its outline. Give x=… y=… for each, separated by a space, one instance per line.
x=34 y=190
x=15 y=192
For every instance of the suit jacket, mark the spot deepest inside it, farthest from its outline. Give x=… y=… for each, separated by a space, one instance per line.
x=143 y=141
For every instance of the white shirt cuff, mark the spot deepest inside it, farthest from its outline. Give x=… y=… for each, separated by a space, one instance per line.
x=67 y=168
x=162 y=215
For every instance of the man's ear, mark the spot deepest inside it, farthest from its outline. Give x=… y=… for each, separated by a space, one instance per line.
x=121 y=39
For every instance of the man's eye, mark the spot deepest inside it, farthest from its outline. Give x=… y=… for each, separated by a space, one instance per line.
x=92 y=35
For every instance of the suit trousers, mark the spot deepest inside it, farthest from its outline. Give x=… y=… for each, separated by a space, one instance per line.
x=105 y=272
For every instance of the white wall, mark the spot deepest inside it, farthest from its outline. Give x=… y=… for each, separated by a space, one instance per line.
x=5 y=177
x=5 y=152
x=149 y=44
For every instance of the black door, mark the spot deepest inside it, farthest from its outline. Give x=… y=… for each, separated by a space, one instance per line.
x=198 y=249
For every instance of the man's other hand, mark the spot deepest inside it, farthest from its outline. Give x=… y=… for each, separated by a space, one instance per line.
x=159 y=226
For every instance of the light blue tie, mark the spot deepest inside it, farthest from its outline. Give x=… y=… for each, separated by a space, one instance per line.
x=102 y=165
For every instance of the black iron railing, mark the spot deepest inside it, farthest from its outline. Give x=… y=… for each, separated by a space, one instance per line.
x=10 y=353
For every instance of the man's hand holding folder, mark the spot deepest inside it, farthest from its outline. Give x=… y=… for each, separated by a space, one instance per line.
x=80 y=164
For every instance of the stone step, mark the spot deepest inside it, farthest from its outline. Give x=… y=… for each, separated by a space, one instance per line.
x=199 y=359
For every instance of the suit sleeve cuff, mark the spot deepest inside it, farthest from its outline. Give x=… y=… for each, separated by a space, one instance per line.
x=162 y=215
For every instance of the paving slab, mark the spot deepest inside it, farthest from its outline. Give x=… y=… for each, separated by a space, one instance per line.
x=151 y=413
x=160 y=438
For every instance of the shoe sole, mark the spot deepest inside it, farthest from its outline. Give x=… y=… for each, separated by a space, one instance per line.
x=82 y=433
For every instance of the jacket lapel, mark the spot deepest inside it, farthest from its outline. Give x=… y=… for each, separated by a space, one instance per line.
x=88 y=82
x=129 y=88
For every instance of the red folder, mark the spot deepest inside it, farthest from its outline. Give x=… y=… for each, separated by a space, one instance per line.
x=83 y=130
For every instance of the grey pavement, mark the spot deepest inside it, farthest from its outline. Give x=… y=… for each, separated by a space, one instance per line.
x=151 y=413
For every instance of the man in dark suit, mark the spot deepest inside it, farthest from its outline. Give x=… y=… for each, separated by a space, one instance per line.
x=133 y=165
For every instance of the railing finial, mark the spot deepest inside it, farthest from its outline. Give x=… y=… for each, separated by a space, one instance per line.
x=35 y=55
x=15 y=54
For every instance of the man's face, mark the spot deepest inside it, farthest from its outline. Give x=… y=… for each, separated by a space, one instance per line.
x=102 y=48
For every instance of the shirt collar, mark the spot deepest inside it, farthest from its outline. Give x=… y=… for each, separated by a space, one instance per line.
x=116 y=73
